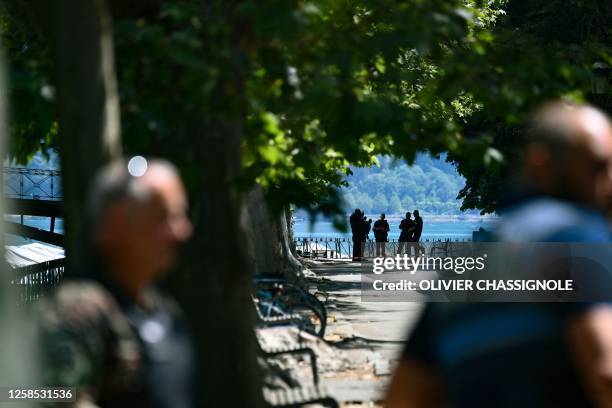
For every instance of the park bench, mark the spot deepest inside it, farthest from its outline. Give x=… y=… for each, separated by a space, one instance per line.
x=440 y=249
x=282 y=320
x=276 y=352
x=319 y=253
x=298 y=397
x=274 y=296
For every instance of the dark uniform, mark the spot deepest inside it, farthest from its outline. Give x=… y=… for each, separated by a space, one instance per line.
x=518 y=353
x=381 y=231
x=418 y=224
x=366 y=226
x=416 y=235
x=406 y=227
x=116 y=353
x=356 y=222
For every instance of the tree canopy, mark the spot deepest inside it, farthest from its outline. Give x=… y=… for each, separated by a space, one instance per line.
x=328 y=84
x=539 y=50
x=324 y=84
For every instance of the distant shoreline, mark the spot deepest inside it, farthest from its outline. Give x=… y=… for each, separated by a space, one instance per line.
x=428 y=217
x=442 y=217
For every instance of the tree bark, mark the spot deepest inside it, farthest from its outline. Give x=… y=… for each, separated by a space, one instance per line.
x=214 y=287
x=261 y=233
x=269 y=239
x=81 y=41
x=292 y=267
x=17 y=348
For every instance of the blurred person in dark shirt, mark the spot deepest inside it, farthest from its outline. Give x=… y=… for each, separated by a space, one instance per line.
x=528 y=354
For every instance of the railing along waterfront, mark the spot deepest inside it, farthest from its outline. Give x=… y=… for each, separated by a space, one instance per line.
x=32 y=281
x=33 y=184
x=342 y=247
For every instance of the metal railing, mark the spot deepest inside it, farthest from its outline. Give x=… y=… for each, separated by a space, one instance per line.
x=342 y=248
x=32 y=281
x=33 y=184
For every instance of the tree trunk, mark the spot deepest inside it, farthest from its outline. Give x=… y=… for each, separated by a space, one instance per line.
x=17 y=348
x=215 y=285
x=292 y=267
x=261 y=232
x=89 y=123
x=269 y=239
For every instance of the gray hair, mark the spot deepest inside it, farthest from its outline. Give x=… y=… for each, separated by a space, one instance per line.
x=114 y=183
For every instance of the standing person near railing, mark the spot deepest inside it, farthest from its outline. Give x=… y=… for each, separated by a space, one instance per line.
x=381 y=231
x=416 y=234
x=407 y=227
x=366 y=227
x=356 y=221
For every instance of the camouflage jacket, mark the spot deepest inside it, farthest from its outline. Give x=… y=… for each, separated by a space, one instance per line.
x=87 y=343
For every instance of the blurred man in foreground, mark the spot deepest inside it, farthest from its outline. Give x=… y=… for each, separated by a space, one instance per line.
x=527 y=354
x=110 y=334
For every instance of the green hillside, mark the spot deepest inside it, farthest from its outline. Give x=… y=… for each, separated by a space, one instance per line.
x=430 y=185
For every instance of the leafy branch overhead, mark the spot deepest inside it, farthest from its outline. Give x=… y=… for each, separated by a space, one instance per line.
x=327 y=84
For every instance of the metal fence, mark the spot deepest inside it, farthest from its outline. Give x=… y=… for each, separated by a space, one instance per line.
x=342 y=248
x=32 y=281
x=35 y=184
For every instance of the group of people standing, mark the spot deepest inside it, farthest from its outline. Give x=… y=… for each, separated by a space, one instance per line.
x=411 y=230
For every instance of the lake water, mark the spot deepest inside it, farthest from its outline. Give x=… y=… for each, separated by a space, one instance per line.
x=434 y=229
x=43 y=223
x=38 y=222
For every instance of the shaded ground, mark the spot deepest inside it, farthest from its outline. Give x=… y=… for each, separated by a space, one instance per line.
x=362 y=342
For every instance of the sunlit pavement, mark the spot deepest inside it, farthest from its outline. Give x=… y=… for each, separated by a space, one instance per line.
x=367 y=336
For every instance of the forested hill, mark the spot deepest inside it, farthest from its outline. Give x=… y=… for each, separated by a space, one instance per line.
x=430 y=185
x=50 y=161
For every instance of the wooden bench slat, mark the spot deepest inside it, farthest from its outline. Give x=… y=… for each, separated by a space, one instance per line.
x=296 y=396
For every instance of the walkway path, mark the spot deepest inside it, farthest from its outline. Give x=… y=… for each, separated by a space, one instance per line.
x=363 y=339
x=374 y=330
